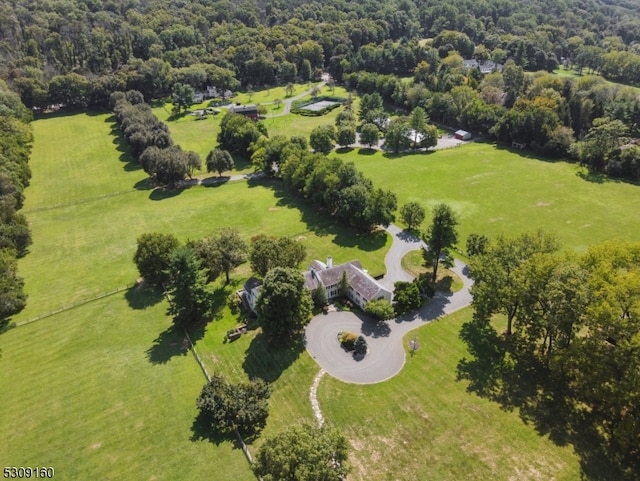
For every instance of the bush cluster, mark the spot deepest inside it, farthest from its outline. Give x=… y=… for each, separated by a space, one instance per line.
x=347 y=339
x=338 y=187
x=149 y=140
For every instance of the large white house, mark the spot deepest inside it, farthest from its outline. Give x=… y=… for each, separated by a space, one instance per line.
x=362 y=287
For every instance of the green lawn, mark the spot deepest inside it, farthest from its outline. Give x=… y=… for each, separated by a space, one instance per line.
x=422 y=424
x=113 y=366
x=266 y=96
x=91 y=394
x=447 y=280
x=496 y=190
x=106 y=390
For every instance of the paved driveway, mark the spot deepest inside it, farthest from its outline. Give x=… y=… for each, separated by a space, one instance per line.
x=386 y=354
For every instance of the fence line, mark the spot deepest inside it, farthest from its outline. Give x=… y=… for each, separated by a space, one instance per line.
x=79 y=201
x=198 y=359
x=72 y=306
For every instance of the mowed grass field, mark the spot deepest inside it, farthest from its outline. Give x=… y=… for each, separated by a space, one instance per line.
x=495 y=190
x=108 y=389
x=423 y=425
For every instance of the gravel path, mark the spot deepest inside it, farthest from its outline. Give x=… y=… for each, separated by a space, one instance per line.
x=386 y=354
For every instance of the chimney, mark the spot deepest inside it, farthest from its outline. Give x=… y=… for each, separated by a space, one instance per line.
x=329 y=262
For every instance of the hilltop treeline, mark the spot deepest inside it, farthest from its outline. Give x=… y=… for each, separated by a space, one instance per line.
x=76 y=54
x=79 y=52
x=15 y=237
x=149 y=140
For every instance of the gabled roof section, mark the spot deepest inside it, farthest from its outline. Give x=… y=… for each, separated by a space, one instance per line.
x=252 y=283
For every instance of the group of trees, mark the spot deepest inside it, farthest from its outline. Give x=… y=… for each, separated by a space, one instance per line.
x=79 y=54
x=15 y=237
x=338 y=187
x=586 y=119
x=572 y=324
x=149 y=140
x=186 y=271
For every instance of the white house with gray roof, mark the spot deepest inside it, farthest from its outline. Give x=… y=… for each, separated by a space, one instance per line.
x=362 y=287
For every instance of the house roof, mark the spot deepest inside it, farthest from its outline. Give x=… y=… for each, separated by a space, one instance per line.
x=310 y=282
x=252 y=283
x=244 y=109
x=359 y=280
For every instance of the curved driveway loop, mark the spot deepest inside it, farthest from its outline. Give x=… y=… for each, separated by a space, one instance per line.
x=386 y=354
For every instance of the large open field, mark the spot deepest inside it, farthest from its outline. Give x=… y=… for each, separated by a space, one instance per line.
x=107 y=389
x=496 y=190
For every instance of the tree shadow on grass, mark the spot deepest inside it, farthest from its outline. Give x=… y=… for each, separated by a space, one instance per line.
x=344 y=150
x=144 y=184
x=268 y=361
x=174 y=342
x=162 y=193
x=600 y=178
x=365 y=242
x=122 y=146
x=140 y=297
x=168 y=344
x=201 y=431
x=496 y=371
x=366 y=151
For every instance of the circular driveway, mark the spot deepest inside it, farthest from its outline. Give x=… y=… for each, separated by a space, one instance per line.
x=386 y=352
x=384 y=359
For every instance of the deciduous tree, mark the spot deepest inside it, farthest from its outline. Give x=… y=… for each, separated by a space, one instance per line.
x=322 y=138
x=304 y=453
x=284 y=306
x=227 y=406
x=153 y=255
x=269 y=252
x=412 y=214
x=219 y=160
x=380 y=309
x=369 y=135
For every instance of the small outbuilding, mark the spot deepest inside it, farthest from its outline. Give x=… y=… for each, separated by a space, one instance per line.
x=462 y=135
x=250 y=111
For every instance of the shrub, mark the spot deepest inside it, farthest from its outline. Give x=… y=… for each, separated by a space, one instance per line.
x=348 y=339
x=234 y=303
x=380 y=309
x=360 y=346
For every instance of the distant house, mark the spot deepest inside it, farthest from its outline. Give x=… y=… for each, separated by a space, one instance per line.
x=250 y=111
x=462 y=135
x=362 y=287
x=198 y=97
x=485 y=66
x=211 y=92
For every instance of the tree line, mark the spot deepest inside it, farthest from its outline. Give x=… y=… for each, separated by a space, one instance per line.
x=73 y=56
x=328 y=183
x=16 y=137
x=570 y=343
x=149 y=140
x=77 y=54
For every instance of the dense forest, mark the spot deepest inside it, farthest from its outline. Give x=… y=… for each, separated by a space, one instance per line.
x=15 y=237
x=76 y=53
